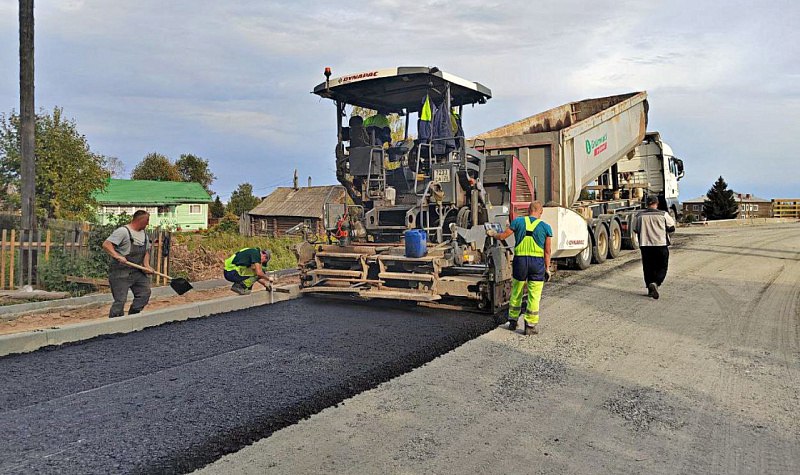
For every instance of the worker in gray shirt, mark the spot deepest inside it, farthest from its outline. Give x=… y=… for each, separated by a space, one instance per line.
x=129 y=243
x=654 y=227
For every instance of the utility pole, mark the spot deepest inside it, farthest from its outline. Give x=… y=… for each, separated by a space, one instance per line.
x=27 y=115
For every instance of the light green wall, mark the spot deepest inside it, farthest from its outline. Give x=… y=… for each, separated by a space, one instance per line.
x=172 y=217
x=191 y=221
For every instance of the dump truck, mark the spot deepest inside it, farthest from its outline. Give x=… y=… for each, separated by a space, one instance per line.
x=593 y=164
x=433 y=185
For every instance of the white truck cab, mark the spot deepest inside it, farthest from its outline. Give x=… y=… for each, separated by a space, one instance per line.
x=655 y=169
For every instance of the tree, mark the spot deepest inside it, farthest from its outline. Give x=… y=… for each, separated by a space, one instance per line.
x=194 y=169
x=720 y=202
x=242 y=200
x=217 y=209
x=156 y=167
x=115 y=167
x=67 y=171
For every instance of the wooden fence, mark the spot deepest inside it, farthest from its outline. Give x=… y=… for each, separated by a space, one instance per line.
x=22 y=252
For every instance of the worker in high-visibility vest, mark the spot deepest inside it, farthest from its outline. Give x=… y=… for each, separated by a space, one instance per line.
x=245 y=267
x=531 y=265
x=378 y=126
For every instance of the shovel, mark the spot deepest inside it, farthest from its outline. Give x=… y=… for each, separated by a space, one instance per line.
x=178 y=284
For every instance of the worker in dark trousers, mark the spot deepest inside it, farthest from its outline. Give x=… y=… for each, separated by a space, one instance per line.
x=246 y=267
x=653 y=228
x=531 y=265
x=129 y=243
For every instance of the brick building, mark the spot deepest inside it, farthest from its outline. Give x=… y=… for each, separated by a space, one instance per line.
x=750 y=206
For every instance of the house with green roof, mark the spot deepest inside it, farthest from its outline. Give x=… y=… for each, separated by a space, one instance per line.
x=171 y=204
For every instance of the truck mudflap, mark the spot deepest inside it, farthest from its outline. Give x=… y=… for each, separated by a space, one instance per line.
x=570 y=231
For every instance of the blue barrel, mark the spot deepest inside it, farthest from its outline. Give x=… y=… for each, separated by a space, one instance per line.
x=416 y=243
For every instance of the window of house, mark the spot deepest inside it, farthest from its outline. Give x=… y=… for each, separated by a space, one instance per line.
x=755 y=207
x=195 y=209
x=696 y=207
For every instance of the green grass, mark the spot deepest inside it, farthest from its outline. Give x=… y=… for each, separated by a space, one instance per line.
x=282 y=249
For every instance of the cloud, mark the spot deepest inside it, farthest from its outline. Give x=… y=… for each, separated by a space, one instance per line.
x=230 y=80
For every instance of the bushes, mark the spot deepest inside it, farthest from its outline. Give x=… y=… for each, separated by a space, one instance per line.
x=218 y=242
x=53 y=272
x=61 y=264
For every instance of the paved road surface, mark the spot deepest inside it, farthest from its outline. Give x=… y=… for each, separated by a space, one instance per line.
x=173 y=398
x=704 y=380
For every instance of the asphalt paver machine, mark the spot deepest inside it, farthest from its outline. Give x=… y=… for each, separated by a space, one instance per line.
x=431 y=186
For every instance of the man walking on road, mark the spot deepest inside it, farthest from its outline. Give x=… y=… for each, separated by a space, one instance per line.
x=653 y=227
x=129 y=243
x=246 y=267
x=531 y=265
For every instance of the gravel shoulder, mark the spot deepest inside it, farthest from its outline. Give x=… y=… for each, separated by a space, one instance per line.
x=704 y=380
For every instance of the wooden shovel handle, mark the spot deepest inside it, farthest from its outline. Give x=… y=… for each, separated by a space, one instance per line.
x=137 y=266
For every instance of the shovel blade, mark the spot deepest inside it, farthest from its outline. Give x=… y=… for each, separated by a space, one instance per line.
x=180 y=285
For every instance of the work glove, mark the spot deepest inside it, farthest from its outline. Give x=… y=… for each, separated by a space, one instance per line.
x=491 y=233
x=547 y=276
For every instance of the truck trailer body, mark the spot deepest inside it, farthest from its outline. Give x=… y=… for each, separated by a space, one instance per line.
x=592 y=163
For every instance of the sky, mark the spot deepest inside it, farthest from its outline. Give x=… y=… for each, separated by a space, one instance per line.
x=230 y=80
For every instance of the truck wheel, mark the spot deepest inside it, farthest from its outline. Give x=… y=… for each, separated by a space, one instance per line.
x=614 y=240
x=632 y=242
x=583 y=260
x=600 y=248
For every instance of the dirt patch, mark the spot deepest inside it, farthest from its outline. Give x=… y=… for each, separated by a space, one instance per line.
x=419 y=448
x=59 y=318
x=643 y=408
x=534 y=375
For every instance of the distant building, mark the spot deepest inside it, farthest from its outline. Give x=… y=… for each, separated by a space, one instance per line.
x=172 y=204
x=786 y=208
x=287 y=207
x=750 y=206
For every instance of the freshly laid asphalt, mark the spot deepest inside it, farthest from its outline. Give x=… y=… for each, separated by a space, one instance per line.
x=173 y=398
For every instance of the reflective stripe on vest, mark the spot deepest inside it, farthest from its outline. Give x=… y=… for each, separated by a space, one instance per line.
x=242 y=270
x=527 y=246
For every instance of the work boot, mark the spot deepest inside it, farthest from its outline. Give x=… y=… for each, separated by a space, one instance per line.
x=531 y=329
x=652 y=290
x=240 y=289
x=512 y=324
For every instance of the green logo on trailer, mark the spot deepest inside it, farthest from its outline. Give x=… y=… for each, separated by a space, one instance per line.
x=595 y=147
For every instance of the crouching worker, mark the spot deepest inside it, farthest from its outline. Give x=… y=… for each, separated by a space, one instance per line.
x=531 y=265
x=246 y=267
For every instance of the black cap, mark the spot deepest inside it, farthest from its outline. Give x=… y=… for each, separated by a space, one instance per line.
x=652 y=199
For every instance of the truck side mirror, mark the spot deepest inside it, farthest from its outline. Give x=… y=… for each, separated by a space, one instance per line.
x=679 y=167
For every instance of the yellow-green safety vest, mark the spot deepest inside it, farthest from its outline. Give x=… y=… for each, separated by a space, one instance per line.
x=377 y=120
x=241 y=270
x=527 y=246
x=426 y=113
